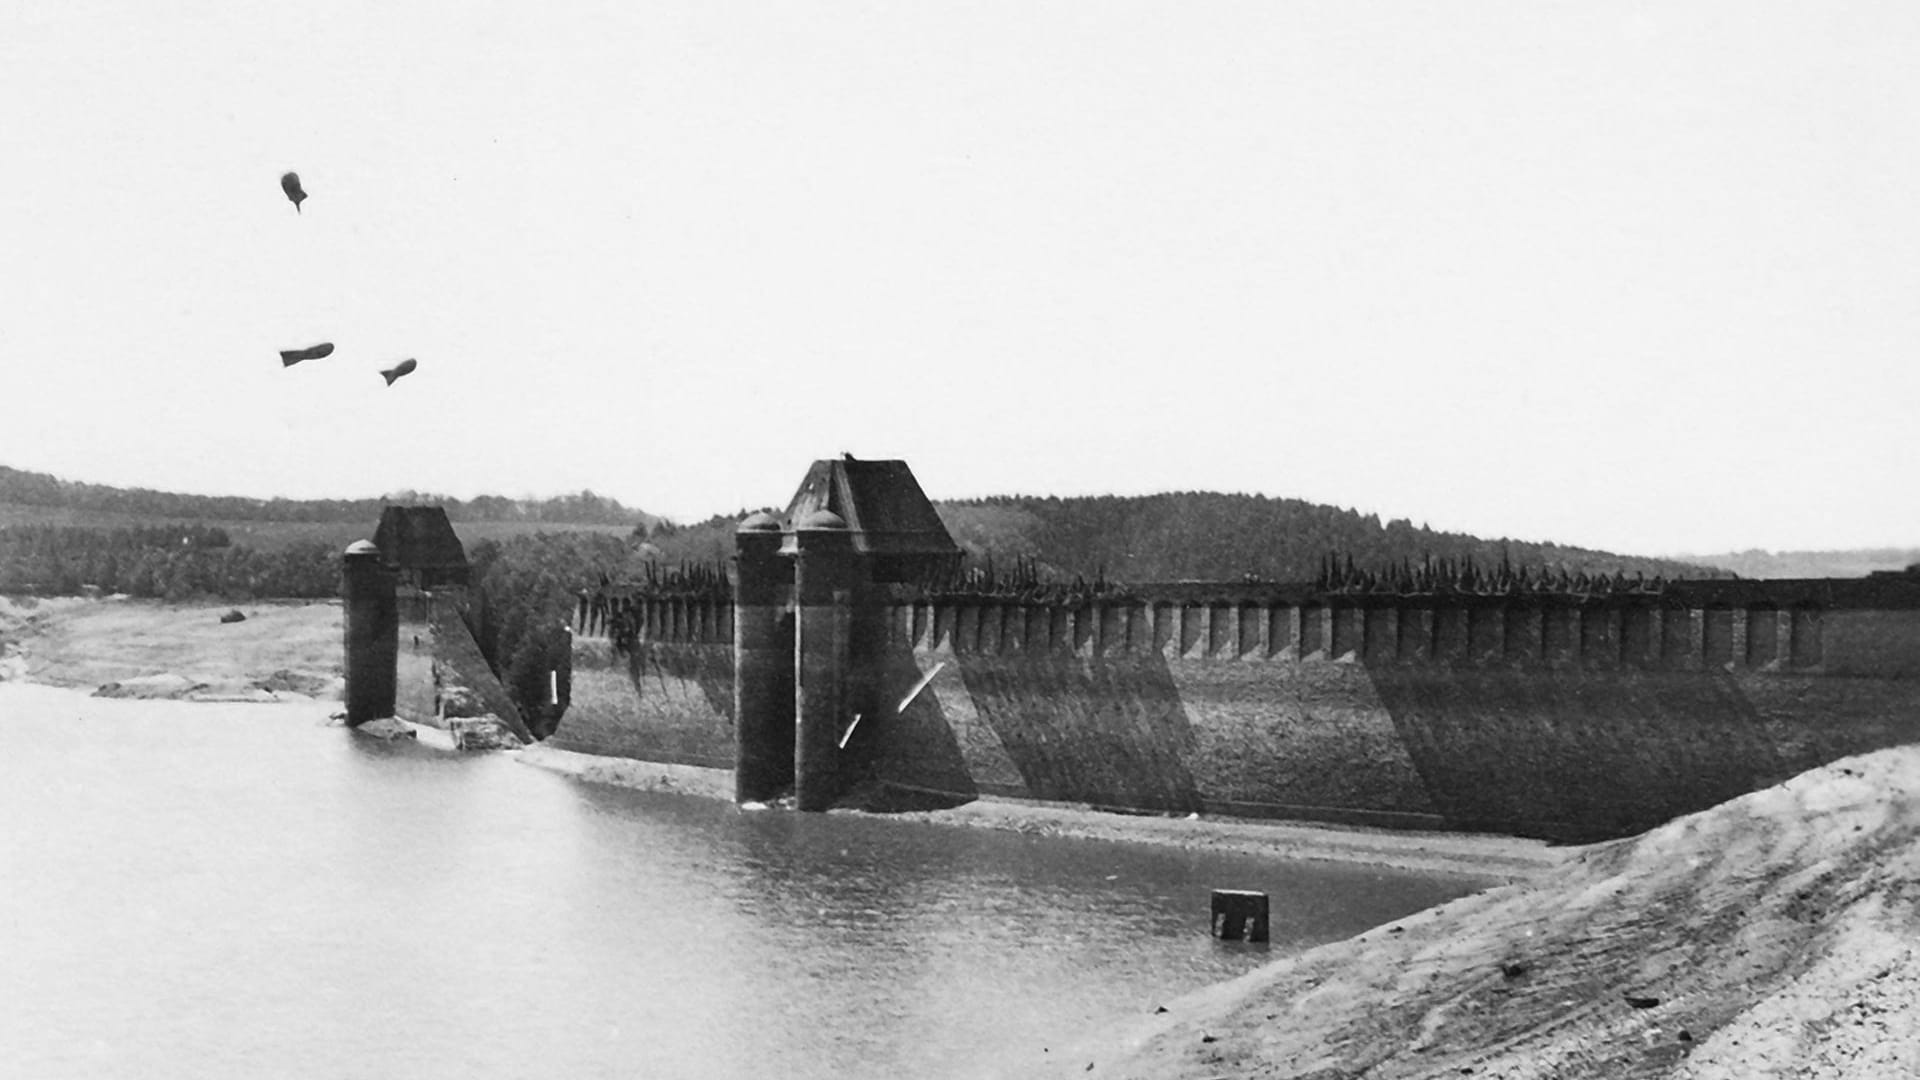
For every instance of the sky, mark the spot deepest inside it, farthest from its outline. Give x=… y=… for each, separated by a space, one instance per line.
x=1636 y=276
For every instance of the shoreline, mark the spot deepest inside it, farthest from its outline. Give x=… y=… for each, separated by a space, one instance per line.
x=278 y=651
x=83 y=702
x=142 y=676
x=1482 y=857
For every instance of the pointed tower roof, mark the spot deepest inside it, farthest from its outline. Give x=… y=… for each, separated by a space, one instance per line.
x=881 y=503
x=418 y=537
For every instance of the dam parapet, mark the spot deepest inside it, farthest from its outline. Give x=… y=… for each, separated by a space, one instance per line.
x=1692 y=625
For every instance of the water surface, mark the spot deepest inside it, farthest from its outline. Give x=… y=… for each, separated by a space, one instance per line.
x=241 y=891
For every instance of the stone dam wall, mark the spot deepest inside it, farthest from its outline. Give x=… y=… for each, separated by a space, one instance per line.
x=440 y=673
x=1536 y=716
x=667 y=698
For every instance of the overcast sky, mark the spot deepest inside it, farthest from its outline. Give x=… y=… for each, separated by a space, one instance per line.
x=1643 y=277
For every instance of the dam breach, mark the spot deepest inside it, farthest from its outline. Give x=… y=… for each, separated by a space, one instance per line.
x=847 y=667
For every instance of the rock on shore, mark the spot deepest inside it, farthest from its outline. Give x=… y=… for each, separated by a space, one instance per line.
x=1776 y=935
x=484 y=732
x=163 y=687
x=387 y=727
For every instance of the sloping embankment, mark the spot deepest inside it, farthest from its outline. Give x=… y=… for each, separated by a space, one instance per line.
x=1775 y=935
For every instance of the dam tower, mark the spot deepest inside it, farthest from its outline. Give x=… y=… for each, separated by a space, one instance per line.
x=810 y=596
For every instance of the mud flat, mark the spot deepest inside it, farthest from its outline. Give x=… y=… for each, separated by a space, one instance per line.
x=1775 y=935
x=1491 y=859
x=280 y=650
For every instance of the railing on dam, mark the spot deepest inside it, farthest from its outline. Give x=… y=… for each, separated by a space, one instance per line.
x=1649 y=632
x=678 y=619
x=1559 y=635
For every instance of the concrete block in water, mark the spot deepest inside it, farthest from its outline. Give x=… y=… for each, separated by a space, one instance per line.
x=1234 y=909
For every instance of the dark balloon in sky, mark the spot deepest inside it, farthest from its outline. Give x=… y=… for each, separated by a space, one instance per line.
x=404 y=367
x=290 y=357
x=290 y=183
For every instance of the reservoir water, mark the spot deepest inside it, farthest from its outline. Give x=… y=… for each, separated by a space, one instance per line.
x=237 y=891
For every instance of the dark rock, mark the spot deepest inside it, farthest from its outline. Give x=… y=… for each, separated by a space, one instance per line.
x=163 y=687
x=460 y=701
x=234 y=615
x=481 y=733
x=387 y=727
x=294 y=682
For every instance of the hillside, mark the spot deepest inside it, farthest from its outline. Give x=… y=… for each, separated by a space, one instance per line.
x=1196 y=536
x=281 y=536
x=62 y=538
x=1193 y=535
x=33 y=498
x=1208 y=536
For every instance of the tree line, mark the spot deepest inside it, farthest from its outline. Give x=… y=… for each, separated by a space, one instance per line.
x=1197 y=536
x=170 y=562
x=524 y=595
x=43 y=489
x=1210 y=536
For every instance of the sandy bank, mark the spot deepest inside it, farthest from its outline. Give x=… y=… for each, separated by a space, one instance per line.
x=281 y=651
x=27 y=698
x=1479 y=857
x=1776 y=935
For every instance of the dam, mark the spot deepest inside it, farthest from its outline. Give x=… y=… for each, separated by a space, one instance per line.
x=833 y=674
x=842 y=663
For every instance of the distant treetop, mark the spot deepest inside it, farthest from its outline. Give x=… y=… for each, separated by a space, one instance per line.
x=41 y=489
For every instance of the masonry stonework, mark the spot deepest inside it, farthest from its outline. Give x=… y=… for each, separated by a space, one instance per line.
x=1566 y=715
x=1537 y=718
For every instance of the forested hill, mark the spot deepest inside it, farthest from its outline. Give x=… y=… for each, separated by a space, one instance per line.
x=1208 y=536
x=1199 y=536
x=34 y=489
x=1180 y=536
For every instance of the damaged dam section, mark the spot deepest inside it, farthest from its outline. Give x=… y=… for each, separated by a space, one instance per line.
x=1572 y=715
